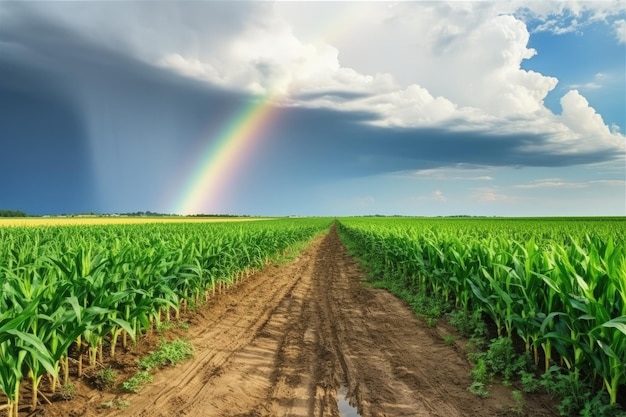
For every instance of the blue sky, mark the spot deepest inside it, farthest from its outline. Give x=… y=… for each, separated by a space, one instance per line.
x=412 y=108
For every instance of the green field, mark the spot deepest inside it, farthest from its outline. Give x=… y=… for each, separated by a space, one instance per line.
x=85 y=286
x=556 y=287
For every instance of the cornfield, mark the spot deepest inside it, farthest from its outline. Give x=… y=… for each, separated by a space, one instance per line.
x=560 y=285
x=71 y=290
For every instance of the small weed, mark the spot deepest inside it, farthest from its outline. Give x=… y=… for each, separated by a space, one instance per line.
x=137 y=381
x=466 y=323
x=67 y=391
x=449 y=339
x=480 y=373
x=104 y=378
x=480 y=329
x=164 y=326
x=501 y=359
x=524 y=362
x=476 y=344
x=431 y=322
x=169 y=325
x=500 y=356
x=529 y=382
x=116 y=403
x=598 y=406
x=518 y=408
x=478 y=388
x=575 y=394
x=168 y=353
x=435 y=311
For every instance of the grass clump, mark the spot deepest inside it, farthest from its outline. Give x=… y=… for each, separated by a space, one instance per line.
x=67 y=391
x=167 y=354
x=467 y=323
x=478 y=388
x=115 y=403
x=480 y=373
x=530 y=383
x=137 y=381
x=500 y=360
x=577 y=395
x=518 y=398
x=169 y=325
x=104 y=378
x=449 y=339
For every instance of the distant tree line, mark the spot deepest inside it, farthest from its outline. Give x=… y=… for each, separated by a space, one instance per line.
x=20 y=213
x=153 y=214
x=12 y=213
x=143 y=214
x=218 y=215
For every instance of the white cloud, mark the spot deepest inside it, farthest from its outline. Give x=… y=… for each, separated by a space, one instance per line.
x=453 y=174
x=557 y=27
x=192 y=68
x=464 y=68
x=586 y=86
x=615 y=129
x=578 y=115
x=618 y=183
x=582 y=120
x=461 y=67
x=600 y=80
x=471 y=56
x=436 y=195
x=561 y=183
x=620 y=30
x=561 y=17
x=491 y=195
x=551 y=183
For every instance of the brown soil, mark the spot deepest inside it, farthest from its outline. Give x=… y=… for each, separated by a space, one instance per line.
x=285 y=340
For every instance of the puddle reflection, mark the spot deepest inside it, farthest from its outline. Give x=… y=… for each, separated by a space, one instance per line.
x=345 y=408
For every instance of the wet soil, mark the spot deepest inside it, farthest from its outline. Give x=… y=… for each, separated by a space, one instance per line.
x=284 y=341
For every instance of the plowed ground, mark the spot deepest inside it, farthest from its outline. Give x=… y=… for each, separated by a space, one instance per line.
x=285 y=340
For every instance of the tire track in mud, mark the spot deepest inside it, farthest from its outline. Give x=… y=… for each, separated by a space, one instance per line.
x=285 y=340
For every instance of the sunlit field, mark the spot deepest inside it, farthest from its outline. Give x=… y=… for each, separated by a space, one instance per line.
x=74 y=221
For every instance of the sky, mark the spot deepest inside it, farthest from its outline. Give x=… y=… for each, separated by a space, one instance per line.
x=424 y=108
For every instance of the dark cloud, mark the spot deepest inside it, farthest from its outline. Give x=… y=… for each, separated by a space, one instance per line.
x=148 y=28
x=332 y=95
x=316 y=140
x=44 y=160
x=105 y=123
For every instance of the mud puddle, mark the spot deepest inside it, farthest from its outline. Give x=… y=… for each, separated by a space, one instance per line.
x=345 y=408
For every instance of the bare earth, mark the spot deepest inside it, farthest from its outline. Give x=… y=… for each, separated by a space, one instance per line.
x=284 y=341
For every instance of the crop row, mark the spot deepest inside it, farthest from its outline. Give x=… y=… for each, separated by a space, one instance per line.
x=560 y=286
x=68 y=291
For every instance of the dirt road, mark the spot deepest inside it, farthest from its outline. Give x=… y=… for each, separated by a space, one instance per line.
x=293 y=339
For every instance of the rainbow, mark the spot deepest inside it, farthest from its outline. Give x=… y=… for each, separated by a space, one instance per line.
x=218 y=160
